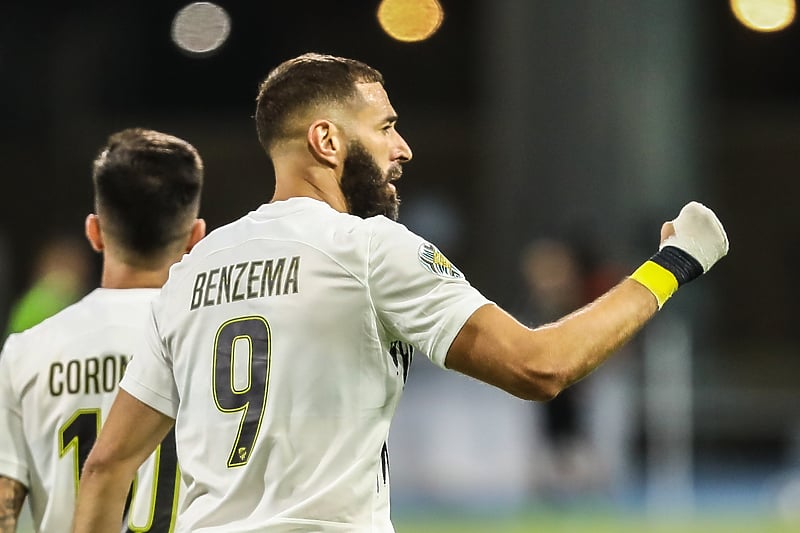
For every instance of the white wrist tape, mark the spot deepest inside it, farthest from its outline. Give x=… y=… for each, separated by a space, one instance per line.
x=699 y=233
x=699 y=242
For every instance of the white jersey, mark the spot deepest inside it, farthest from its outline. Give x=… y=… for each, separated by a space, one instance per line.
x=57 y=382
x=281 y=345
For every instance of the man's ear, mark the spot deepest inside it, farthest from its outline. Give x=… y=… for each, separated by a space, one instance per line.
x=325 y=142
x=93 y=233
x=198 y=232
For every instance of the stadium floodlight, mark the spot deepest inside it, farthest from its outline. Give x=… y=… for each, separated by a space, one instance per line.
x=200 y=28
x=764 y=15
x=410 y=20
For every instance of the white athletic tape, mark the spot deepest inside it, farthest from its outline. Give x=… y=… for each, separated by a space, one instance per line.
x=699 y=233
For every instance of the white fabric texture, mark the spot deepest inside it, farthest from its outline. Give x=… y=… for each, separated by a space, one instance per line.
x=57 y=382
x=308 y=317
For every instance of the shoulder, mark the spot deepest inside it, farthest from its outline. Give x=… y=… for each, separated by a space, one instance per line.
x=381 y=224
x=98 y=310
x=20 y=348
x=299 y=222
x=390 y=237
x=64 y=320
x=385 y=234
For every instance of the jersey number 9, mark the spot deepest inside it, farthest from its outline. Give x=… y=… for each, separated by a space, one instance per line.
x=249 y=338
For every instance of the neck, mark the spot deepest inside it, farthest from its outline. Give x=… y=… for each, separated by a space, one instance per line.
x=333 y=199
x=292 y=180
x=119 y=275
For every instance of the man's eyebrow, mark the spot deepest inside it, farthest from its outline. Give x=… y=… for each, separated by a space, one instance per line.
x=391 y=118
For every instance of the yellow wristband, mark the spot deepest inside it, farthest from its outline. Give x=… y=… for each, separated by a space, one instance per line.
x=660 y=281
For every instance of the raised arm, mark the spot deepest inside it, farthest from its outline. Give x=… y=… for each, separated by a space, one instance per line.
x=129 y=435
x=12 y=494
x=539 y=363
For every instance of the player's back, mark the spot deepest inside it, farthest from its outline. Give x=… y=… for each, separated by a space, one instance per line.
x=287 y=379
x=60 y=378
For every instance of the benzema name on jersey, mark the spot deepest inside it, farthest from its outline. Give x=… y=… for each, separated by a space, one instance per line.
x=229 y=284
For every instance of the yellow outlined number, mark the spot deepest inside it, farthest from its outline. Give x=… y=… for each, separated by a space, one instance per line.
x=250 y=333
x=163 y=509
x=79 y=433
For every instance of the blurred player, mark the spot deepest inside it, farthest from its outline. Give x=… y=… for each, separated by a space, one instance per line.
x=279 y=347
x=58 y=379
x=61 y=276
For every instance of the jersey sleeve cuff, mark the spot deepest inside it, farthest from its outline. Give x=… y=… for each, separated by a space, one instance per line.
x=444 y=336
x=148 y=396
x=15 y=471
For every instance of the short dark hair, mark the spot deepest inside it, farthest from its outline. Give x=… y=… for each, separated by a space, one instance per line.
x=147 y=190
x=305 y=81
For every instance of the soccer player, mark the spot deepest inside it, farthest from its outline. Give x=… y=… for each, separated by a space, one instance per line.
x=58 y=378
x=280 y=345
x=61 y=276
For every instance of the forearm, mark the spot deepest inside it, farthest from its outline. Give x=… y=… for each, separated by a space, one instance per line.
x=537 y=364
x=12 y=494
x=113 y=461
x=582 y=341
x=101 y=499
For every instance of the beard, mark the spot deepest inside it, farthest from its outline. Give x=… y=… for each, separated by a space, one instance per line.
x=365 y=187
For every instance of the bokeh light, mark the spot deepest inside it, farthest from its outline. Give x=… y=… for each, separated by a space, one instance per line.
x=410 y=20
x=201 y=28
x=764 y=15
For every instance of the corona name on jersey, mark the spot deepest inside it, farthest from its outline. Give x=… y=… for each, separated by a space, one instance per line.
x=93 y=375
x=245 y=281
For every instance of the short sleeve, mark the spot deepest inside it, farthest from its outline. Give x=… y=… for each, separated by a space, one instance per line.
x=148 y=376
x=418 y=294
x=13 y=454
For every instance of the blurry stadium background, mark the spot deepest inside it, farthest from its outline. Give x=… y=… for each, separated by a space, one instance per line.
x=586 y=122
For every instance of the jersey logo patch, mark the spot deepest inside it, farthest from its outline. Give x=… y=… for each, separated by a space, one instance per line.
x=435 y=261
